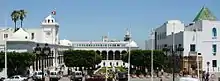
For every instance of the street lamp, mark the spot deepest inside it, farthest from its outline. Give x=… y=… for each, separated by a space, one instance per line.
x=42 y=52
x=180 y=49
x=166 y=50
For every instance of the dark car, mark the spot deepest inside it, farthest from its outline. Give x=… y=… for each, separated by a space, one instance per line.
x=2 y=79
x=122 y=76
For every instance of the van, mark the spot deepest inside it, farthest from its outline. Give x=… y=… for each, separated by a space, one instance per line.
x=38 y=75
x=76 y=76
x=54 y=76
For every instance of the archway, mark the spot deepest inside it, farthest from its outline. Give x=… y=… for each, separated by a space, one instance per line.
x=214 y=32
x=123 y=52
x=110 y=55
x=117 y=55
x=98 y=52
x=104 y=55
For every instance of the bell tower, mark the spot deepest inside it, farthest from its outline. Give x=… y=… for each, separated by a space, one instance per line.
x=50 y=29
x=127 y=36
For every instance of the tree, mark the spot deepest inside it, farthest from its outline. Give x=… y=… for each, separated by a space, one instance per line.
x=22 y=15
x=15 y=16
x=17 y=62
x=81 y=58
x=142 y=59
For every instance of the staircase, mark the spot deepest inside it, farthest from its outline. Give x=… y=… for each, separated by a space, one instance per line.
x=97 y=70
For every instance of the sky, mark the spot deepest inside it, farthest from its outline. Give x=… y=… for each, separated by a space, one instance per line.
x=92 y=19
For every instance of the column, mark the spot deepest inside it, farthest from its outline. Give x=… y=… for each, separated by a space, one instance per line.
x=113 y=55
x=36 y=64
x=45 y=61
x=120 y=55
x=113 y=59
x=39 y=64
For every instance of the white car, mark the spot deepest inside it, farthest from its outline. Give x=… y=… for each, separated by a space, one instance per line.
x=54 y=75
x=188 y=79
x=38 y=75
x=16 y=78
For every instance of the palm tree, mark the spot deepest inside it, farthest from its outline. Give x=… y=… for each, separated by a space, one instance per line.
x=15 y=17
x=22 y=15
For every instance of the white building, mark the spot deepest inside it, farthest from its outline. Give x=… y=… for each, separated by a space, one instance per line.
x=114 y=48
x=25 y=39
x=205 y=41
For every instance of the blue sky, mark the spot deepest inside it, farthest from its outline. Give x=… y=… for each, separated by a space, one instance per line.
x=91 y=19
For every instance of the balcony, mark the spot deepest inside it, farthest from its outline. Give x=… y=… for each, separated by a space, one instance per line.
x=193 y=53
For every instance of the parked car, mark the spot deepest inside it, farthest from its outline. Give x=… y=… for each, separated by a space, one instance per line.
x=38 y=75
x=188 y=79
x=16 y=78
x=122 y=76
x=76 y=76
x=54 y=75
x=2 y=78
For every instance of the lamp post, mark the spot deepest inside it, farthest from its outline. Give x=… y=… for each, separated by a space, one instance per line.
x=207 y=75
x=42 y=52
x=152 y=53
x=180 y=49
x=166 y=50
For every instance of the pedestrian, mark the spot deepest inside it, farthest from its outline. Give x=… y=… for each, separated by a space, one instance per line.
x=207 y=76
x=203 y=76
x=162 y=72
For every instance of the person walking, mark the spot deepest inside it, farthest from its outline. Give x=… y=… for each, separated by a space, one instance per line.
x=203 y=76
x=207 y=76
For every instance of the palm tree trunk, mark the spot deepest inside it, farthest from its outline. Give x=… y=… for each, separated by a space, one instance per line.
x=21 y=23
x=15 y=26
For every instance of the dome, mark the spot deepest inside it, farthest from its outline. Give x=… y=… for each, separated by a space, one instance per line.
x=20 y=35
x=132 y=44
x=66 y=42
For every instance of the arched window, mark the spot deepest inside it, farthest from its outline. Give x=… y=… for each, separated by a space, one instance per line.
x=214 y=32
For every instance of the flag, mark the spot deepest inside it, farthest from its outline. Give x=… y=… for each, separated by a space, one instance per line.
x=53 y=12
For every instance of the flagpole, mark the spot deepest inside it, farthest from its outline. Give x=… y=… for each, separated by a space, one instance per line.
x=106 y=67
x=5 y=49
x=152 y=53
x=129 y=56
x=197 y=57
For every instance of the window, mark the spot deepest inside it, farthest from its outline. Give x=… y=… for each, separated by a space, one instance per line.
x=32 y=35
x=214 y=63
x=48 y=33
x=192 y=47
x=103 y=63
x=214 y=32
x=5 y=35
x=214 y=49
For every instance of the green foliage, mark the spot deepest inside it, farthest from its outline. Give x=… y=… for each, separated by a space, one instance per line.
x=142 y=58
x=17 y=62
x=81 y=58
x=18 y=14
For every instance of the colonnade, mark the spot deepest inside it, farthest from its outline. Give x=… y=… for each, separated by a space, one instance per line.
x=112 y=55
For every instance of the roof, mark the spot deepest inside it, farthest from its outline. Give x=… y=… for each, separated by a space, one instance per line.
x=20 y=35
x=132 y=44
x=205 y=14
